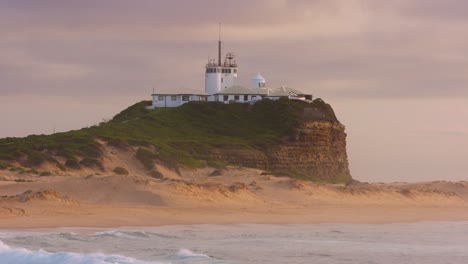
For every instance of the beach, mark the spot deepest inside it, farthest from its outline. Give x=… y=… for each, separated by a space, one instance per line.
x=238 y=195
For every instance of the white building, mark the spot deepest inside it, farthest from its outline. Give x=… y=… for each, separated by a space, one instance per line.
x=220 y=87
x=174 y=100
x=283 y=91
x=220 y=76
x=238 y=94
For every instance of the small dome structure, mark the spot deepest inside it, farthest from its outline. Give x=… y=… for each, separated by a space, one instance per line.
x=258 y=82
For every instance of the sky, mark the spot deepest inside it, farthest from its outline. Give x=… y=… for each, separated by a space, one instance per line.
x=394 y=71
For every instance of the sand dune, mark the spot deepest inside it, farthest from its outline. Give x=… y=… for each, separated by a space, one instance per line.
x=238 y=195
x=101 y=198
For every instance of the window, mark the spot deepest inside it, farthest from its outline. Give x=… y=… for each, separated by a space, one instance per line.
x=236 y=97
x=228 y=70
x=218 y=70
x=173 y=98
x=246 y=97
x=185 y=98
x=225 y=97
x=161 y=98
x=234 y=70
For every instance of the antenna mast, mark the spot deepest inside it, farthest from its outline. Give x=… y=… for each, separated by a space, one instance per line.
x=219 y=46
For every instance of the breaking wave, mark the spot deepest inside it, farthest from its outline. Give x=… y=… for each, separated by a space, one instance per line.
x=10 y=255
x=132 y=234
x=185 y=253
x=123 y=234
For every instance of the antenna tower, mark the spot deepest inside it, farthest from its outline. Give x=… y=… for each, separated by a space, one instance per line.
x=219 y=46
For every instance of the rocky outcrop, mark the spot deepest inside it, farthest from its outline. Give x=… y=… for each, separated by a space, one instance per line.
x=316 y=150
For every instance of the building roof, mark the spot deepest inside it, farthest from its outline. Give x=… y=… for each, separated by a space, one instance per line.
x=237 y=89
x=283 y=91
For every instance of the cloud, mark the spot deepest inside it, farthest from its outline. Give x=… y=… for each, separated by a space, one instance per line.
x=335 y=48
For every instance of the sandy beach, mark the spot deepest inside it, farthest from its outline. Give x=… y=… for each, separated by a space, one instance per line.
x=238 y=195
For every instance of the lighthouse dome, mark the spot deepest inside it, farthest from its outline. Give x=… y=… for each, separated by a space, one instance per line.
x=258 y=81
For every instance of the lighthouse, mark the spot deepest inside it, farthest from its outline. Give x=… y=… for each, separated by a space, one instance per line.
x=220 y=75
x=220 y=86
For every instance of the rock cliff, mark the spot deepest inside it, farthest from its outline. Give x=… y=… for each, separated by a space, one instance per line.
x=315 y=150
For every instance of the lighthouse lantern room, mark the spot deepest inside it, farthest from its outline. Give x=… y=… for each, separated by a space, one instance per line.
x=220 y=75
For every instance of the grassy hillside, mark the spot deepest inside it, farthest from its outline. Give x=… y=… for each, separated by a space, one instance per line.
x=178 y=136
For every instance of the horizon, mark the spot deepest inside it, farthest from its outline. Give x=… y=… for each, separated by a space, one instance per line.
x=393 y=72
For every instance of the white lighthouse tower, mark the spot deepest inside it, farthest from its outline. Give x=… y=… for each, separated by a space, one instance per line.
x=219 y=75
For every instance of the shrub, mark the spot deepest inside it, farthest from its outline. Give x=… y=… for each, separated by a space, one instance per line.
x=35 y=159
x=60 y=166
x=121 y=171
x=22 y=180
x=89 y=162
x=45 y=173
x=145 y=157
x=91 y=150
x=217 y=164
x=216 y=173
x=3 y=165
x=118 y=143
x=72 y=164
x=156 y=174
x=33 y=171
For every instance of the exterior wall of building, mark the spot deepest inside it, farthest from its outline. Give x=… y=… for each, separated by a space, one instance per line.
x=238 y=98
x=228 y=78
x=219 y=78
x=175 y=100
x=213 y=81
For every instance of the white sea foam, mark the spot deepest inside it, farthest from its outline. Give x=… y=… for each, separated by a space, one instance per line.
x=110 y=233
x=122 y=234
x=185 y=253
x=426 y=242
x=10 y=255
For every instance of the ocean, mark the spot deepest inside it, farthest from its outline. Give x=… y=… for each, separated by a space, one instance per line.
x=423 y=242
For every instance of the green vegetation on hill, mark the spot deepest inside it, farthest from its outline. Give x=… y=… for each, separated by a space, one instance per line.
x=176 y=136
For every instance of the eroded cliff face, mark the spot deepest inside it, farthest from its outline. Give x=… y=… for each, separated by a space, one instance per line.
x=316 y=150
